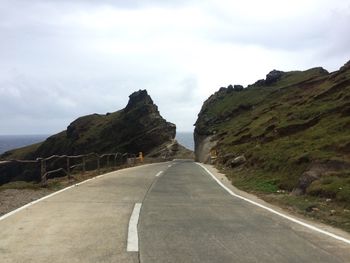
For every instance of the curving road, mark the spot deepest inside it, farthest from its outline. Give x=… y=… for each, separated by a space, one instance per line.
x=181 y=215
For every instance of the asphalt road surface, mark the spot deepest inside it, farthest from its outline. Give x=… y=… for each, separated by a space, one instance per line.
x=181 y=215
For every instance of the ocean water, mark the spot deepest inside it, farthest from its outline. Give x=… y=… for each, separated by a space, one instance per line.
x=185 y=139
x=9 y=142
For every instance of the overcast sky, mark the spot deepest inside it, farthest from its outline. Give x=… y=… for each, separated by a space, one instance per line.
x=61 y=59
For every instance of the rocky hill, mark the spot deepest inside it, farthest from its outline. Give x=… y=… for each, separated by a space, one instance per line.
x=138 y=127
x=288 y=132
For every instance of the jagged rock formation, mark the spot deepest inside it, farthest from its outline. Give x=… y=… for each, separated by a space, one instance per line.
x=138 y=127
x=288 y=128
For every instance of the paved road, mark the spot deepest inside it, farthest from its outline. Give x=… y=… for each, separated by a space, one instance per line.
x=185 y=217
x=87 y=223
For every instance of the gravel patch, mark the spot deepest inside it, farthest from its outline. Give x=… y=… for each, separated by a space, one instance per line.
x=11 y=199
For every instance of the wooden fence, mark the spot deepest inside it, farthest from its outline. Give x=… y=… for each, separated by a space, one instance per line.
x=73 y=161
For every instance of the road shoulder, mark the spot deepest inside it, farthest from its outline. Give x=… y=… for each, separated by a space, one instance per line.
x=227 y=183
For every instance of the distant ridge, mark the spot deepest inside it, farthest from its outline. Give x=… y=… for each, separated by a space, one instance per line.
x=8 y=142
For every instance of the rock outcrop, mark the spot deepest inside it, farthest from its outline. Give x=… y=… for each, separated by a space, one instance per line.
x=138 y=127
x=273 y=76
x=203 y=146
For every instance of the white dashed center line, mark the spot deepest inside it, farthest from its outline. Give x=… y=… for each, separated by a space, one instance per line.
x=159 y=173
x=133 y=237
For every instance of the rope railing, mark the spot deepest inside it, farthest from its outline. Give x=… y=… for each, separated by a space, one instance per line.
x=110 y=159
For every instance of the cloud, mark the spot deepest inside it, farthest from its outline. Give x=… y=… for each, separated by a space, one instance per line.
x=61 y=59
x=285 y=25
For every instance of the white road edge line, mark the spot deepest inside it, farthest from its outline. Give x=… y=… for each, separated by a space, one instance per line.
x=37 y=201
x=55 y=193
x=276 y=212
x=48 y=196
x=133 y=237
x=159 y=173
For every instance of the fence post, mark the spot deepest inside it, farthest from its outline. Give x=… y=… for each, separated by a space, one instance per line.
x=115 y=161
x=43 y=171
x=83 y=164
x=68 y=167
x=98 y=164
x=107 y=160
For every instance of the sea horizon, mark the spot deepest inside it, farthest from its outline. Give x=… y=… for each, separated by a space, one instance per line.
x=185 y=139
x=14 y=141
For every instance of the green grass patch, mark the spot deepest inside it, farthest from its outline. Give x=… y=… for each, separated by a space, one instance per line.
x=328 y=211
x=301 y=203
x=331 y=187
x=246 y=181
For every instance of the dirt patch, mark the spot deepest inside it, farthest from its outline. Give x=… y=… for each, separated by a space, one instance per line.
x=345 y=148
x=243 y=139
x=294 y=128
x=333 y=89
x=10 y=199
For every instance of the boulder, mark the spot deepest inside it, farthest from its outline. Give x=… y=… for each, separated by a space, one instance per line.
x=273 y=76
x=238 y=161
x=305 y=181
x=238 y=88
x=316 y=170
x=224 y=159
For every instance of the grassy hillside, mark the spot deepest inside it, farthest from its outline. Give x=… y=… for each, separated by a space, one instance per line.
x=293 y=130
